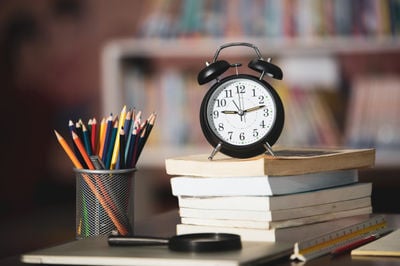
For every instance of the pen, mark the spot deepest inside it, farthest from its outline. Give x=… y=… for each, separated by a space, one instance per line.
x=348 y=247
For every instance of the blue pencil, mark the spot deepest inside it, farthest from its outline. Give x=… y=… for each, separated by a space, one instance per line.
x=121 y=160
x=86 y=140
x=111 y=144
x=128 y=121
x=107 y=138
x=140 y=145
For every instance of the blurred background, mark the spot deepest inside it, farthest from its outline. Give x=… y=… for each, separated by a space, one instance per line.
x=72 y=59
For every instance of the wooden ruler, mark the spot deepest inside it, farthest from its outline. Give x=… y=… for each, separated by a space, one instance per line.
x=325 y=244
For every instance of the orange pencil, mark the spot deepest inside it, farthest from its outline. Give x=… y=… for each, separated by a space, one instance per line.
x=92 y=187
x=120 y=227
x=82 y=150
x=89 y=163
x=68 y=150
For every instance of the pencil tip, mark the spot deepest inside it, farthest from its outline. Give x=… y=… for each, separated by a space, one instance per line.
x=57 y=134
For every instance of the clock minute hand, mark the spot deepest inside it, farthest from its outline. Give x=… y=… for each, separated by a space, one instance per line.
x=253 y=108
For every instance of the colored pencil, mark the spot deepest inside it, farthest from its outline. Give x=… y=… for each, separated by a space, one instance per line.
x=121 y=228
x=150 y=125
x=122 y=141
x=116 y=144
x=127 y=123
x=86 y=140
x=68 y=151
x=107 y=138
x=91 y=167
x=111 y=144
x=78 y=155
x=130 y=147
x=104 y=141
x=140 y=145
x=93 y=135
x=102 y=135
x=82 y=150
x=78 y=128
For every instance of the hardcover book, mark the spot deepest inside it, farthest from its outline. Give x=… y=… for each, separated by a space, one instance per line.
x=287 y=161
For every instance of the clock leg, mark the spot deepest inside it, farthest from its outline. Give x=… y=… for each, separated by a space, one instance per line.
x=268 y=149
x=215 y=150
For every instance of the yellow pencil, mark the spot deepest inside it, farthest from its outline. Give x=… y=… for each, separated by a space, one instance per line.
x=102 y=137
x=68 y=150
x=120 y=227
x=115 y=153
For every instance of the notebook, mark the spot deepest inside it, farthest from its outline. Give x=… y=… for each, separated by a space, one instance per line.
x=96 y=251
x=388 y=245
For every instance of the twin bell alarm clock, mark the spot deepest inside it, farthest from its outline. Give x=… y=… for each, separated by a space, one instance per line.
x=241 y=115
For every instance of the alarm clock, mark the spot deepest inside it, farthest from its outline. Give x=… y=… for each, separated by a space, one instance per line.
x=241 y=115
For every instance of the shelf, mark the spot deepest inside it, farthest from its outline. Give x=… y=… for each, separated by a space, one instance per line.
x=206 y=47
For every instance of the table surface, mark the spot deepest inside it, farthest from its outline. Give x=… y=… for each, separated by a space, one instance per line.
x=169 y=220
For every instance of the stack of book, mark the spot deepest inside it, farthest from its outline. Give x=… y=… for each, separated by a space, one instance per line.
x=280 y=198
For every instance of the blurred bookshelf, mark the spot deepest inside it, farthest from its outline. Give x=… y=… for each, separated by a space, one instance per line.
x=338 y=88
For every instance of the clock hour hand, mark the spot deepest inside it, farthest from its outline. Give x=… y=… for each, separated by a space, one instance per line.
x=229 y=112
x=253 y=108
x=240 y=111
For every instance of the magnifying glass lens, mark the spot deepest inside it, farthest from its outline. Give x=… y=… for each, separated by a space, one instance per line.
x=205 y=242
x=201 y=242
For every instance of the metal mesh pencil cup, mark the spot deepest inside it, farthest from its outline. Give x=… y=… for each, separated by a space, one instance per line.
x=104 y=202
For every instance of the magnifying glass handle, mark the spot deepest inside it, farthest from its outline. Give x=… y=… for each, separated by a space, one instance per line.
x=136 y=241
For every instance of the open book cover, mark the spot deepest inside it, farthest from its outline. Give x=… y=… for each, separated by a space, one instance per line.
x=287 y=161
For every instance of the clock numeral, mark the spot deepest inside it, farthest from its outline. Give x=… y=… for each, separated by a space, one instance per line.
x=242 y=136
x=215 y=114
x=221 y=127
x=255 y=132
x=221 y=102
x=266 y=112
x=228 y=94
x=230 y=133
x=261 y=99
x=254 y=92
x=262 y=124
x=240 y=89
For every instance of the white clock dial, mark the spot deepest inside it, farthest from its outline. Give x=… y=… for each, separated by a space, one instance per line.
x=241 y=111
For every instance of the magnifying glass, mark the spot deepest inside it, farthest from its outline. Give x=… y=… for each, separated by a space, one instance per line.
x=201 y=242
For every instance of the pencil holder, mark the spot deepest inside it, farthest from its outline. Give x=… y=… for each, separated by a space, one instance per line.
x=104 y=202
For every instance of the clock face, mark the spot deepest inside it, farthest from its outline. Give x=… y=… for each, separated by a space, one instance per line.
x=241 y=110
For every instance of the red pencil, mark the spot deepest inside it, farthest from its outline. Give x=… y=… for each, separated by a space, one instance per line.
x=93 y=135
x=349 y=247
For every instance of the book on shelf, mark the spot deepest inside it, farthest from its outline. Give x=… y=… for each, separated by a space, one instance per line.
x=265 y=225
x=240 y=216
x=288 y=234
x=287 y=161
x=275 y=19
x=267 y=203
x=260 y=185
